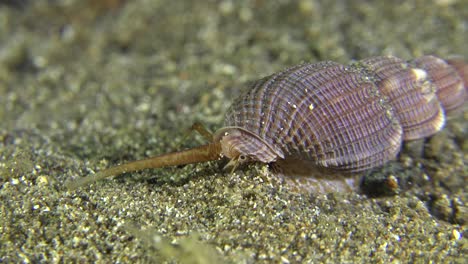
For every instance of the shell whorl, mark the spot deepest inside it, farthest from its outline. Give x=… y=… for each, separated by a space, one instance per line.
x=348 y=117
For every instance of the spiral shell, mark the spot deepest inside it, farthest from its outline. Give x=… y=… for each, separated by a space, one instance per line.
x=346 y=118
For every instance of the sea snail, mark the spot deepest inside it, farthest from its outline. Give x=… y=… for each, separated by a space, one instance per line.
x=336 y=117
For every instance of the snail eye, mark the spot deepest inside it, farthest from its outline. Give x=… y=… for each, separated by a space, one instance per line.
x=242 y=158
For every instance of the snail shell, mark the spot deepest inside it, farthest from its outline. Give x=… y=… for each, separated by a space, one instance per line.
x=345 y=118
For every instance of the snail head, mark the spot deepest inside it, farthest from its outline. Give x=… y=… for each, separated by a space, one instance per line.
x=242 y=146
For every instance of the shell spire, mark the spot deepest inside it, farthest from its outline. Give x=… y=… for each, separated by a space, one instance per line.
x=448 y=81
x=411 y=94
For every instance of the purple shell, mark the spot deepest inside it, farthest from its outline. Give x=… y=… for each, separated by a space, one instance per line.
x=346 y=118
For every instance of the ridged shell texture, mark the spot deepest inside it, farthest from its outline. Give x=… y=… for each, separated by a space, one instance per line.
x=351 y=117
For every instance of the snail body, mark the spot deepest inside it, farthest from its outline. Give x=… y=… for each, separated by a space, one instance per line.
x=346 y=118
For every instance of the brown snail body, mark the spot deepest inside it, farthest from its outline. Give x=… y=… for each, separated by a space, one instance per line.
x=339 y=117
